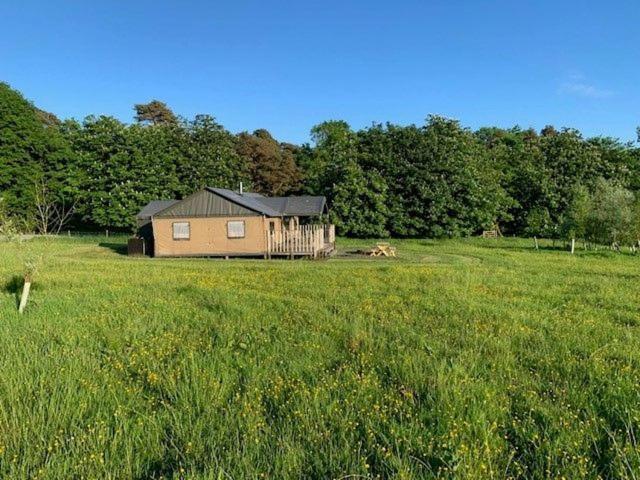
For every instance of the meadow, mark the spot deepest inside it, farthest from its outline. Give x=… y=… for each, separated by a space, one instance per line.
x=474 y=358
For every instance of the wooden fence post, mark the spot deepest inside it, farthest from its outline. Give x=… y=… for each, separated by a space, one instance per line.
x=573 y=245
x=25 y=294
x=535 y=241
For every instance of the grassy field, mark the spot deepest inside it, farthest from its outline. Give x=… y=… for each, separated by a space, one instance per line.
x=460 y=359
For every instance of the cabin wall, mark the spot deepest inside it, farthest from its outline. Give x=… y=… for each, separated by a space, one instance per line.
x=208 y=236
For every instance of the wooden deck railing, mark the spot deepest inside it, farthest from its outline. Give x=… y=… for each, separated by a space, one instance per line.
x=330 y=235
x=308 y=240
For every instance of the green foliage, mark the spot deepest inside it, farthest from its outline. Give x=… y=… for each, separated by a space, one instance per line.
x=210 y=157
x=335 y=146
x=272 y=165
x=430 y=181
x=434 y=180
x=357 y=192
x=29 y=149
x=611 y=217
x=8 y=227
x=122 y=167
x=154 y=113
x=359 y=202
x=126 y=166
x=607 y=214
x=578 y=215
x=538 y=222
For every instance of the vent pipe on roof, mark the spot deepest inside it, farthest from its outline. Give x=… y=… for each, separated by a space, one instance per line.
x=240 y=188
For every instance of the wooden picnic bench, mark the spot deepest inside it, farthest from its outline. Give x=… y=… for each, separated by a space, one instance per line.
x=383 y=249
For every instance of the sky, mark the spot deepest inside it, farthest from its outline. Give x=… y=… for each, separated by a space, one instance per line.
x=288 y=65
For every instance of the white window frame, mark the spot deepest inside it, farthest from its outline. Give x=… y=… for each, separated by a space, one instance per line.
x=236 y=224
x=179 y=237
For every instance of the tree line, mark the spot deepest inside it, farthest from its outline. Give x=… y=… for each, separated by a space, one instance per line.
x=435 y=180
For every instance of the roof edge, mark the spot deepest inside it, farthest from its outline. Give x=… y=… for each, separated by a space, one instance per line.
x=178 y=202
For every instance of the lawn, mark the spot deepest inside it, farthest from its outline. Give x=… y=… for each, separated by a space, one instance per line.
x=460 y=359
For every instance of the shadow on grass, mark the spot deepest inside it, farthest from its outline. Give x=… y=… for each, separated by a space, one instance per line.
x=119 y=248
x=14 y=287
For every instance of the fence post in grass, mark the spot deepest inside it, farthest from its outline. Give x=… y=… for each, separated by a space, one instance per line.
x=106 y=233
x=573 y=245
x=30 y=270
x=535 y=241
x=26 y=288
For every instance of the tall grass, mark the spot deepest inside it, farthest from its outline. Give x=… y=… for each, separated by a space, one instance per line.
x=461 y=359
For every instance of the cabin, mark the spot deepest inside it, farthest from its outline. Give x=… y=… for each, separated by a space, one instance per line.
x=216 y=222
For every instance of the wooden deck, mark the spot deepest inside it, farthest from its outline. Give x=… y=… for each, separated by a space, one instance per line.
x=304 y=241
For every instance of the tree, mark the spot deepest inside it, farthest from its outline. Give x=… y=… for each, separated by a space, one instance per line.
x=524 y=177
x=570 y=160
x=335 y=145
x=272 y=165
x=616 y=159
x=8 y=226
x=154 y=113
x=110 y=171
x=305 y=159
x=634 y=228
x=210 y=157
x=438 y=179
x=10 y=230
x=611 y=220
x=548 y=131
x=51 y=214
x=576 y=219
x=124 y=168
x=357 y=195
x=23 y=145
x=442 y=183
x=48 y=118
x=29 y=149
x=538 y=223
x=359 y=202
x=634 y=168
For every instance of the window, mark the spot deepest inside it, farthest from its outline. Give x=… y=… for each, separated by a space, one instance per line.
x=181 y=231
x=235 y=229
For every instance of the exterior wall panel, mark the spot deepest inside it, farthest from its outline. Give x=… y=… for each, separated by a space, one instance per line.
x=208 y=236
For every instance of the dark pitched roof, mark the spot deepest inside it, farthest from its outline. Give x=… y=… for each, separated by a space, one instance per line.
x=154 y=207
x=253 y=194
x=200 y=204
x=248 y=201
x=302 y=206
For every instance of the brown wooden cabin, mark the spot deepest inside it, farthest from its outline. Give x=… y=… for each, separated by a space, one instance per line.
x=216 y=222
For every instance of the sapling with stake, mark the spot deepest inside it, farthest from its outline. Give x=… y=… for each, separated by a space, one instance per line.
x=10 y=230
x=30 y=269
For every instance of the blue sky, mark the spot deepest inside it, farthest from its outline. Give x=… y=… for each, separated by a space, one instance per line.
x=286 y=66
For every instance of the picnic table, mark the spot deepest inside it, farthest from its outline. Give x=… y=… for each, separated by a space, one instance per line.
x=383 y=249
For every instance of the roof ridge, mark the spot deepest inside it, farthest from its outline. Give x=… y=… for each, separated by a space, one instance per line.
x=252 y=203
